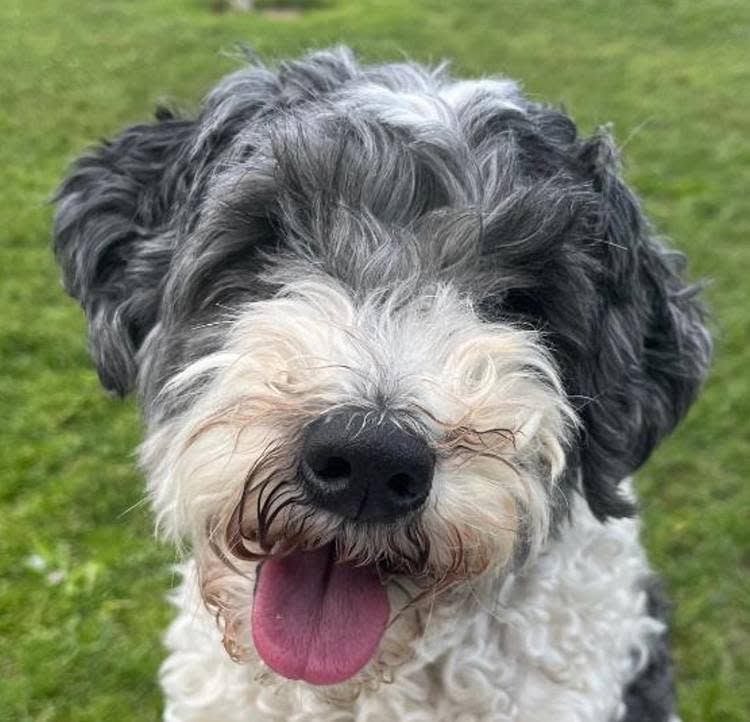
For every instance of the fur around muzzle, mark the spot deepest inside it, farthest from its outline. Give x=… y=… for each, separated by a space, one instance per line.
x=444 y=256
x=486 y=397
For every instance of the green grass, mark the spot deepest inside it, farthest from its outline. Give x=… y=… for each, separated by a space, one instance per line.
x=81 y=579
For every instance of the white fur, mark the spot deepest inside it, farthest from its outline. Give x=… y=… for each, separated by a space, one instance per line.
x=556 y=643
x=432 y=109
x=311 y=349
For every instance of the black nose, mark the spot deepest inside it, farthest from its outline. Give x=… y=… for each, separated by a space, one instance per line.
x=364 y=468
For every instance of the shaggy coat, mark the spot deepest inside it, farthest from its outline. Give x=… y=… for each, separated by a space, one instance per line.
x=443 y=254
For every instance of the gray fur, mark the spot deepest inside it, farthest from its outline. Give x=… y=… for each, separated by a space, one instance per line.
x=650 y=697
x=298 y=170
x=289 y=171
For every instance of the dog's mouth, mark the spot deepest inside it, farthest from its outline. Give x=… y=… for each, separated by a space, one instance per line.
x=318 y=619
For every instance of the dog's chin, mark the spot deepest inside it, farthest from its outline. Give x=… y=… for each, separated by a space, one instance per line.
x=316 y=618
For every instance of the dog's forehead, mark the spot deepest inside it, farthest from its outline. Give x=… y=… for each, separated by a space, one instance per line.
x=396 y=174
x=391 y=126
x=383 y=177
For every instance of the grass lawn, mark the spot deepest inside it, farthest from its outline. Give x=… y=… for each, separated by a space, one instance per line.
x=81 y=579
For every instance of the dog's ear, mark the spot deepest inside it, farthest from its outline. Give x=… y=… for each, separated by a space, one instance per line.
x=113 y=238
x=647 y=349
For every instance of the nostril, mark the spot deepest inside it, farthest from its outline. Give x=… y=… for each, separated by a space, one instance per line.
x=373 y=471
x=332 y=468
x=405 y=488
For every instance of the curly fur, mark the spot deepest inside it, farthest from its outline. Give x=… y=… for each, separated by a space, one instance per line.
x=553 y=644
x=446 y=253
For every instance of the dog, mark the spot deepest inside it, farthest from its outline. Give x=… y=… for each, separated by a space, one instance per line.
x=400 y=341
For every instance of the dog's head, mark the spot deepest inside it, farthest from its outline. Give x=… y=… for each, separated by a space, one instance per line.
x=383 y=325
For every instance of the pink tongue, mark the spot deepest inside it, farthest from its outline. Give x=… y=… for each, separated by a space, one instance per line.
x=316 y=620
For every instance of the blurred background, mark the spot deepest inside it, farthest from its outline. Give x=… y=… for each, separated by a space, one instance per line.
x=82 y=581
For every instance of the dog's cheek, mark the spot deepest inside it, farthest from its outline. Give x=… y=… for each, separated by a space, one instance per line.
x=473 y=524
x=503 y=446
x=190 y=479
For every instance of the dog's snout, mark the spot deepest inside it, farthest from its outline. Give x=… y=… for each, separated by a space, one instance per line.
x=363 y=469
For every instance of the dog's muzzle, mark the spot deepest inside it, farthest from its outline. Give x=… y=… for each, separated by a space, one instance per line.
x=364 y=468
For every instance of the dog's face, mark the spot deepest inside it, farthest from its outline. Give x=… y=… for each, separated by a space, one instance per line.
x=383 y=325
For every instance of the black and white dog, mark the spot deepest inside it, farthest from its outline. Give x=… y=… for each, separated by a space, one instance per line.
x=400 y=340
